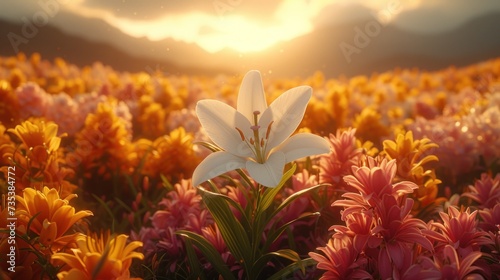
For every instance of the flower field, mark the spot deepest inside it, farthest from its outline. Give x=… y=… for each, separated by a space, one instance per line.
x=117 y=175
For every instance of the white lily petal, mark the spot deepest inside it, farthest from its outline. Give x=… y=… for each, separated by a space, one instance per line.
x=216 y=164
x=268 y=173
x=303 y=145
x=286 y=112
x=220 y=121
x=251 y=96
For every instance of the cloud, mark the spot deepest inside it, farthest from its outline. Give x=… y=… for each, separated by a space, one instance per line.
x=156 y=9
x=245 y=25
x=242 y=25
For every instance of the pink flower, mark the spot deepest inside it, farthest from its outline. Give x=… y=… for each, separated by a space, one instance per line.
x=213 y=235
x=373 y=181
x=359 y=227
x=33 y=100
x=486 y=191
x=400 y=233
x=64 y=112
x=239 y=196
x=343 y=155
x=490 y=218
x=396 y=225
x=299 y=206
x=185 y=118
x=178 y=208
x=460 y=230
x=149 y=238
x=341 y=261
x=171 y=244
x=455 y=267
x=412 y=266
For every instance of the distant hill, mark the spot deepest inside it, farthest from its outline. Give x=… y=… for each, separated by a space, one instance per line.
x=52 y=43
x=474 y=41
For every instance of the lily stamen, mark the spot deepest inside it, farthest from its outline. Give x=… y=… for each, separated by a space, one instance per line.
x=241 y=134
x=269 y=129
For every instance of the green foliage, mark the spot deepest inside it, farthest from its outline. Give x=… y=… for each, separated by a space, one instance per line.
x=243 y=237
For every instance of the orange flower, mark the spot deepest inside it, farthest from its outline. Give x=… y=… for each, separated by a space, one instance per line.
x=49 y=216
x=9 y=105
x=407 y=153
x=105 y=136
x=38 y=134
x=369 y=125
x=152 y=120
x=172 y=156
x=337 y=101
x=411 y=165
x=37 y=158
x=99 y=258
x=7 y=147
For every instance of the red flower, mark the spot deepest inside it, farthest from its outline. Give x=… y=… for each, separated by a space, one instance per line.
x=460 y=230
x=373 y=182
x=359 y=228
x=341 y=261
x=455 y=267
x=343 y=155
x=486 y=191
x=491 y=218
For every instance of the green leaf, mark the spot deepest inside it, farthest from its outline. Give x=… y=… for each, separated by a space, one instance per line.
x=294 y=196
x=166 y=183
x=246 y=223
x=209 y=252
x=194 y=264
x=302 y=264
x=284 y=253
x=231 y=230
x=287 y=254
x=104 y=205
x=124 y=205
x=274 y=234
x=245 y=178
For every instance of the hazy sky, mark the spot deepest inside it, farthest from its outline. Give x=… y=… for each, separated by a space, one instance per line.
x=249 y=25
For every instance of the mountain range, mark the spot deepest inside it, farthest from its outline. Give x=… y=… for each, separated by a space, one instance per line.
x=352 y=48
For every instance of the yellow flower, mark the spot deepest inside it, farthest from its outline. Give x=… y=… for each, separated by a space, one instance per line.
x=9 y=105
x=369 y=126
x=407 y=153
x=318 y=118
x=172 y=155
x=101 y=257
x=7 y=147
x=38 y=134
x=103 y=144
x=37 y=159
x=338 y=105
x=152 y=120
x=411 y=166
x=49 y=216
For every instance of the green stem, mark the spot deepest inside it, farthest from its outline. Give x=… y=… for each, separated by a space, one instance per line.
x=256 y=231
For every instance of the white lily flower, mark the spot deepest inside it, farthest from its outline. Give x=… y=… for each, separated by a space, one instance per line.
x=256 y=137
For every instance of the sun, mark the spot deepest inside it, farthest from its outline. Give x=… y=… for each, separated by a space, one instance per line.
x=219 y=29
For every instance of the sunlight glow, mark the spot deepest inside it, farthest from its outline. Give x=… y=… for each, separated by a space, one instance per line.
x=226 y=26
x=217 y=30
